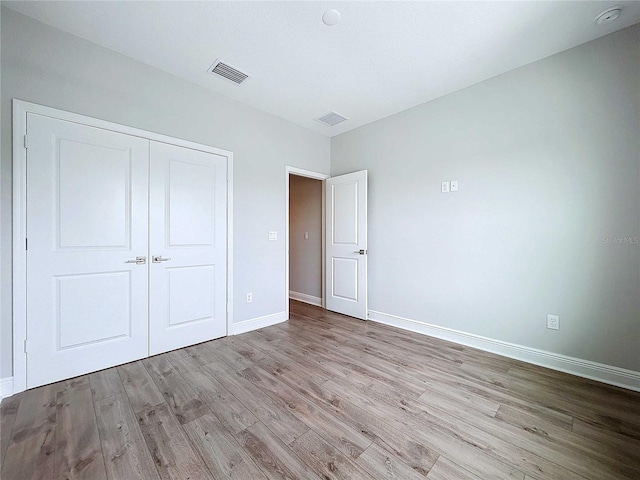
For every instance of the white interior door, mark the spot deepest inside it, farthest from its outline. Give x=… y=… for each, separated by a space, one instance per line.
x=86 y=221
x=188 y=229
x=346 y=244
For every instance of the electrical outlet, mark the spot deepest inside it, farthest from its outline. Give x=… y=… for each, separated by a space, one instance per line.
x=249 y=297
x=454 y=185
x=306 y=235
x=445 y=187
x=273 y=235
x=553 y=322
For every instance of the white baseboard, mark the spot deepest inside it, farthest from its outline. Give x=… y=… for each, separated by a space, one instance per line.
x=256 y=323
x=303 y=297
x=617 y=376
x=6 y=387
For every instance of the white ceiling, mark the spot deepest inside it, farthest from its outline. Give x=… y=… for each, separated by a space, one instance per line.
x=382 y=58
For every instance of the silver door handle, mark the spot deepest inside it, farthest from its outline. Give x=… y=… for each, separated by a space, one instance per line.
x=362 y=251
x=138 y=260
x=158 y=259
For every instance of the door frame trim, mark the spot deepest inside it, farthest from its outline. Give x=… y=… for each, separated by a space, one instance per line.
x=317 y=176
x=20 y=109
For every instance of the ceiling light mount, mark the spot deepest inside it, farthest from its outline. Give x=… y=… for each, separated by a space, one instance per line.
x=609 y=15
x=331 y=17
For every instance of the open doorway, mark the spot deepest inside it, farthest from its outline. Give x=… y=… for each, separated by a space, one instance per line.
x=305 y=236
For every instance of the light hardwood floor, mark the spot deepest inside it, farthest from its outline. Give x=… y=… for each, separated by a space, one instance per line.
x=323 y=396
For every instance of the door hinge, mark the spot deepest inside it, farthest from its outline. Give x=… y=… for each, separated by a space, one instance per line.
x=26 y=244
x=25 y=346
x=26 y=142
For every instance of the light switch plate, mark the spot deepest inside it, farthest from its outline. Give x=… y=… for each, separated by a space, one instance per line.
x=273 y=235
x=445 y=187
x=454 y=185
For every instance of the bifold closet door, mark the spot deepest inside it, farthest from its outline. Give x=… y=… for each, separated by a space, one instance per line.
x=187 y=245
x=87 y=298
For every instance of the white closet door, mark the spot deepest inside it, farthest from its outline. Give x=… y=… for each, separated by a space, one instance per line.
x=86 y=219
x=188 y=229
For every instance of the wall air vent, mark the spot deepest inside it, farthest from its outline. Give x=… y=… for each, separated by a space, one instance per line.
x=227 y=72
x=331 y=119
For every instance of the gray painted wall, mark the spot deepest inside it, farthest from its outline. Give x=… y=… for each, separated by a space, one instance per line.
x=47 y=66
x=548 y=162
x=305 y=215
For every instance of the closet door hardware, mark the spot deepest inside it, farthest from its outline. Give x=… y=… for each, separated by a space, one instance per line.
x=138 y=260
x=159 y=258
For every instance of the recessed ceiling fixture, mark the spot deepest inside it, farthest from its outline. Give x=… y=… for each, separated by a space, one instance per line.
x=228 y=72
x=609 y=15
x=331 y=119
x=331 y=17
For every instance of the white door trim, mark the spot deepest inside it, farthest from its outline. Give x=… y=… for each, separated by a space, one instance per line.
x=19 y=280
x=309 y=174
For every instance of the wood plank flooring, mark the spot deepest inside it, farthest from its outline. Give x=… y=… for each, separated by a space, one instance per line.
x=323 y=396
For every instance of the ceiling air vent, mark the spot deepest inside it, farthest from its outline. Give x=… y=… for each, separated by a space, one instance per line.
x=332 y=119
x=228 y=72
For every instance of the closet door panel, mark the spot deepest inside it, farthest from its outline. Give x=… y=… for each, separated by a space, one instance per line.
x=86 y=221
x=188 y=244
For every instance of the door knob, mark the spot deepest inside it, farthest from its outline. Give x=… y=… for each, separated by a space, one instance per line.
x=362 y=251
x=159 y=258
x=138 y=260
